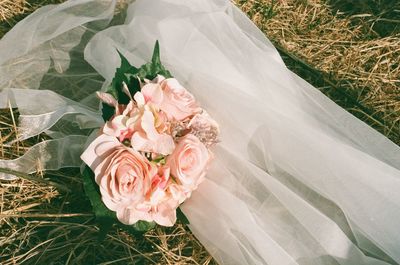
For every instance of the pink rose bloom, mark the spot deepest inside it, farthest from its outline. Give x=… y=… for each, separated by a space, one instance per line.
x=188 y=162
x=177 y=102
x=124 y=177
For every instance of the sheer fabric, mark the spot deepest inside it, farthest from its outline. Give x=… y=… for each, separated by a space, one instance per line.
x=296 y=179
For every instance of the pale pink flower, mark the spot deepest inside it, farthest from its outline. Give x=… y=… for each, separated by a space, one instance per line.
x=163 y=204
x=122 y=124
x=165 y=213
x=158 y=79
x=120 y=109
x=177 y=102
x=130 y=110
x=124 y=177
x=163 y=185
x=120 y=127
x=178 y=192
x=150 y=93
x=204 y=128
x=143 y=125
x=149 y=134
x=188 y=162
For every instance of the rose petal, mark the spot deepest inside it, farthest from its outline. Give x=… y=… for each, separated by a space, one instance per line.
x=126 y=216
x=139 y=142
x=139 y=98
x=164 y=144
x=129 y=108
x=152 y=93
x=166 y=214
x=148 y=125
x=158 y=79
x=105 y=145
x=177 y=102
x=89 y=156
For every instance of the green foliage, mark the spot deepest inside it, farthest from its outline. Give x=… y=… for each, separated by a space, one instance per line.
x=132 y=77
x=182 y=217
x=93 y=193
x=267 y=10
x=155 y=67
x=143 y=226
x=107 y=111
x=115 y=88
x=379 y=16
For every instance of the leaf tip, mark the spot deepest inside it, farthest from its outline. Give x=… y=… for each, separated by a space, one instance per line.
x=156 y=53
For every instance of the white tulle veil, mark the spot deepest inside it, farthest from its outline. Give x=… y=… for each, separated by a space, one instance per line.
x=296 y=179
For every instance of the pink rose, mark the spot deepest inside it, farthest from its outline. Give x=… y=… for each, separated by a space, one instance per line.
x=188 y=162
x=124 y=177
x=177 y=102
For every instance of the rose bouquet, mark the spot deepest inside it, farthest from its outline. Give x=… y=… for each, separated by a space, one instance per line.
x=153 y=150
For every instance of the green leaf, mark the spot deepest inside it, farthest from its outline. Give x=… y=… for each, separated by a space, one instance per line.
x=125 y=65
x=107 y=111
x=143 y=226
x=160 y=159
x=104 y=216
x=157 y=66
x=153 y=68
x=156 y=60
x=137 y=229
x=93 y=193
x=182 y=217
x=115 y=87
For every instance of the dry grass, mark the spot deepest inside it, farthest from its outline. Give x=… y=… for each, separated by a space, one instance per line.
x=349 y=51
x=10 y=8
x=12 y=11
